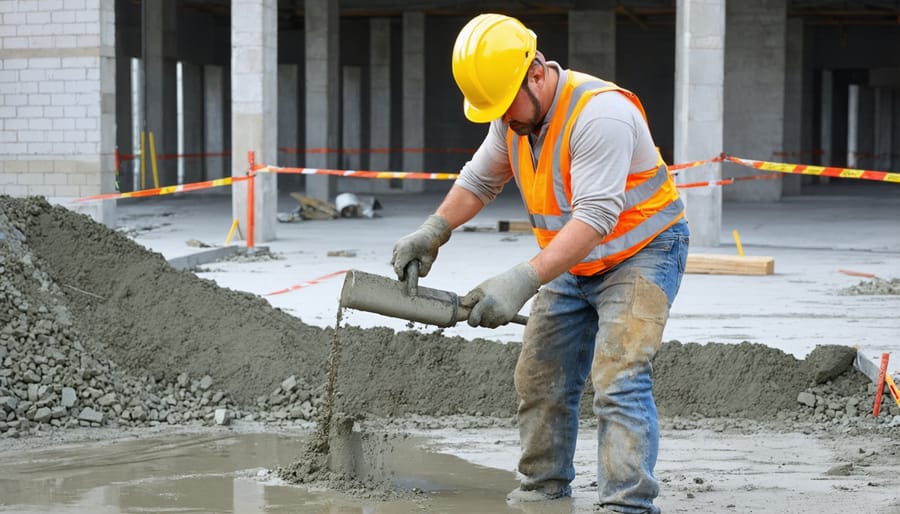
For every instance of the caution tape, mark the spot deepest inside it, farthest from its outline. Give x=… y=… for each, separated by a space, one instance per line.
x=724 y=182
x=421 y=175
x=166 y=190
x=804 y=169
x=823 y=171
x=693 y=164
x=307 y=283
x=358 y=151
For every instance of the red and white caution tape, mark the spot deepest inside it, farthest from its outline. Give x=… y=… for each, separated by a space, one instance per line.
x=307 y=283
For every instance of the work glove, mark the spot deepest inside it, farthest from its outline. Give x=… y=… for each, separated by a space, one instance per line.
x=421 y=245
x=495 y=301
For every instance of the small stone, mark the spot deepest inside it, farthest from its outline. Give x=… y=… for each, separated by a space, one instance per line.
x=289 y=383
x=222 y=417
x=89 y=415
x=807 y=399
x=69 y=397
x=42 y=415
x=840 y=470
x=9 y=403
x=107 y=399
x=206 y=382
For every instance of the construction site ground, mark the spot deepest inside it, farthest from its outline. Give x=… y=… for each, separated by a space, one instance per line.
x=749 y=424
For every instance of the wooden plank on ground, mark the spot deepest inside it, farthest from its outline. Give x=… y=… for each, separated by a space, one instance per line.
x=513 y=226
x=716 y=264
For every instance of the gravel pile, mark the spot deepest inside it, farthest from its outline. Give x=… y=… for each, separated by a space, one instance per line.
x=845 y=401
x=876 y=286
x=52 y=375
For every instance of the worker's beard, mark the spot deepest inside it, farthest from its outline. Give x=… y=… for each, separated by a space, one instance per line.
x=532 y=125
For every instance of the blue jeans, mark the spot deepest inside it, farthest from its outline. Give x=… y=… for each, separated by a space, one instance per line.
x=607 y=325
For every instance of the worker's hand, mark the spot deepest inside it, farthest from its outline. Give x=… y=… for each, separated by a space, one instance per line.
x=495 y=301
x=421 y=245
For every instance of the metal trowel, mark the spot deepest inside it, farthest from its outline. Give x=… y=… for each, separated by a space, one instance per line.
x=405 y=300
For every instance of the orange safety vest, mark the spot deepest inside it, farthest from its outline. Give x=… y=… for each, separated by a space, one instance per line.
x=651 y=202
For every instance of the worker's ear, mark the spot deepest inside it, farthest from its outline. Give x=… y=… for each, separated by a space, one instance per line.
x=537 y=72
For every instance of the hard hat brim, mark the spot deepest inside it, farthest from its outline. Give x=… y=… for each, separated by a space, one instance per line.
x=476 y=115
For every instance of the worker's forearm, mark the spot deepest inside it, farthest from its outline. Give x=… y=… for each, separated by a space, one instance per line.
x=459 y=206
x=572 y=244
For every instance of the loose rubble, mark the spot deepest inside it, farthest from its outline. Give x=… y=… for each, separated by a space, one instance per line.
x=873 y=287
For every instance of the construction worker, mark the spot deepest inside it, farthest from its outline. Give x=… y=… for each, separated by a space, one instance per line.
x=613 y=241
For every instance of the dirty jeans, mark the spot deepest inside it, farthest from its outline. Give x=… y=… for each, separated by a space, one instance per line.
x=609 y=325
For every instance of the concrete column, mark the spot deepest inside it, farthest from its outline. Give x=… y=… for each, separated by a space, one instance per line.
x=884 y=115
x=379 y=92
x=288 y=114
x=254 y=57
x=852 y=125
x=160 y=96
x=895 y=132
x=124 y=120
x=592 y=40
x=826 y=123
x=214 y=121
x=351 y=130
x=192 y=119
x=865 y=130
x=754 y=92
x=413 y=97
x=793 y=104
x=154 y=85
x=699 y=85
x=322 y=93
x=167 y=140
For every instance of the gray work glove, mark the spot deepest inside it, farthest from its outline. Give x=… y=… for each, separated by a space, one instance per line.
x=421 y=245
x=495 y=301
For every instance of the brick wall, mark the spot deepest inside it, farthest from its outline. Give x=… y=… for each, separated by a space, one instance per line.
x=57 y=97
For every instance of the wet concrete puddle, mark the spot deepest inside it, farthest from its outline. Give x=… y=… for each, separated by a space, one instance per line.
x=229 y=473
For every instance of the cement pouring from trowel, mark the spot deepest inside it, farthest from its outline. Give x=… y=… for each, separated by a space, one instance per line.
x=405 y=300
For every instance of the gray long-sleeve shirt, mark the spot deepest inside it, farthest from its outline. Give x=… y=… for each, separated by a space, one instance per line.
x=609 y=140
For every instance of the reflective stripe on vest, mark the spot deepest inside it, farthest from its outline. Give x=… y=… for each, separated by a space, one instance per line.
x=651 y=203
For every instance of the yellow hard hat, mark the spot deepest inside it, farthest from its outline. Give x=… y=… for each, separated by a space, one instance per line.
x=490 y=58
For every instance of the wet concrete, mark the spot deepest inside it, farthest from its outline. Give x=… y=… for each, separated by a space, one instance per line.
x=229 y=473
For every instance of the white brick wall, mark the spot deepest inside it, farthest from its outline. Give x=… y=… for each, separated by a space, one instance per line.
x=54 y=56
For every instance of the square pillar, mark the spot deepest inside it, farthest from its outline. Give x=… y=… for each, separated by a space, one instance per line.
x=254 y=71
x=754 y=93
x=413 y=97
x=322 y=94
x=699 y=88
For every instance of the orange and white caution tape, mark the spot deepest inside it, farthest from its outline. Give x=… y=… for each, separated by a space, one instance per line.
x=307 y=283
x=853 y=273
x=166 y=190
x=822 y=171
x=421 y=175
x=725 y=181
x=692 y=164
